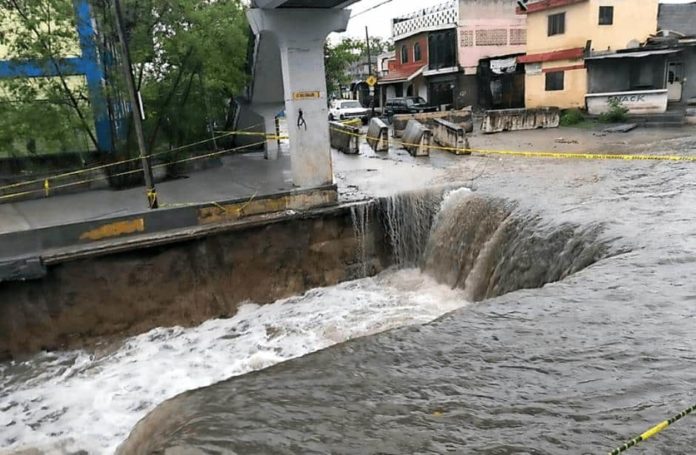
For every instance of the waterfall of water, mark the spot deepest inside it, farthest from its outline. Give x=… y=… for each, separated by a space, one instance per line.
x=408 y=218
x=483 y=245
x=360 y=215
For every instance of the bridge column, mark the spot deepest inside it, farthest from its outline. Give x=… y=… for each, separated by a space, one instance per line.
x=301 y=34
x=272 y=149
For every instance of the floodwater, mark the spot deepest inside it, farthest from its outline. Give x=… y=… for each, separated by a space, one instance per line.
x=575 y=366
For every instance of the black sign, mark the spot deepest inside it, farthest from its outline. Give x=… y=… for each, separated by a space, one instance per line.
x=522 y=4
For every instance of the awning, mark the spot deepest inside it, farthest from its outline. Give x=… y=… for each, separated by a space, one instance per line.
x=402 y=75
x=634 y=54
x=504 y=65
x=553 y=56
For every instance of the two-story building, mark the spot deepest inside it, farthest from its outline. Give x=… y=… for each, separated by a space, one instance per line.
x=564 y=35
x=413 y=45
x=439 y=51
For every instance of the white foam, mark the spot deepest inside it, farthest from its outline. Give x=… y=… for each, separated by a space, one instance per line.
x=73 y=401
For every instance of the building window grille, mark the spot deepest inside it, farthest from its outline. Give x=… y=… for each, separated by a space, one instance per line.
x=493 y=37
x=518 y=36
x=417 y=52
x=467 y=38
x=557 y=24
x=606 y=15
x=404 y=54
x=554 y=81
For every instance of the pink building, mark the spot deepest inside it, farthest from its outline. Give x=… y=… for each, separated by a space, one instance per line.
x=489 y=28
x=471 y=45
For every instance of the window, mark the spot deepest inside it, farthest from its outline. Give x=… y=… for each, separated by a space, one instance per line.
x=606 y=15
x=554 y=81
x=557 y=24
x=404 y=54
x=442 y=49
x=417 y=52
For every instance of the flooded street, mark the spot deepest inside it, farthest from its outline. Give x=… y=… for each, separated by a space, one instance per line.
x=573 y=366
x=577 y=366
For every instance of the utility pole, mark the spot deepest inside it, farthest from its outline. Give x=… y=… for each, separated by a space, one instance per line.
x=369 y=70
x=136 y=108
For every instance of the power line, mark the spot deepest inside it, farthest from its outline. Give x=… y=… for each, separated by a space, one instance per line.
x=371 y=8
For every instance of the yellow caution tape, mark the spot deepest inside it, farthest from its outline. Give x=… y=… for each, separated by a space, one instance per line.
x=538 y=154
x=138 y=158
x=653 y=431
x=134 y=171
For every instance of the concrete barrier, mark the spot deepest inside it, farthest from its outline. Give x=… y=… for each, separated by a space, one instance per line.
x=461 y=117
x=496 y=121
x=417 y=138
x=452 y=136
x=637 y=102
x=345 y=138
x=378 y=135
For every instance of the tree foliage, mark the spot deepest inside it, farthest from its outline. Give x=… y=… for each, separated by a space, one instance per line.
x=189 y=56
x=340 y=56
x=42 y=31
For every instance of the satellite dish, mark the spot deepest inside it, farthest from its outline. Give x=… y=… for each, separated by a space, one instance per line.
x=633 y=44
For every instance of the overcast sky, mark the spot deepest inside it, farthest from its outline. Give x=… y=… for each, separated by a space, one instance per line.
x=378 y=20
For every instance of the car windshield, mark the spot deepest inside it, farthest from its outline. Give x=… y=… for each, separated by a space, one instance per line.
x=412 y=101
x=350 y=105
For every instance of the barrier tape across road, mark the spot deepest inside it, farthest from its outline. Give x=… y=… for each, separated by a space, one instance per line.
x=47 y=186
x=539 y=154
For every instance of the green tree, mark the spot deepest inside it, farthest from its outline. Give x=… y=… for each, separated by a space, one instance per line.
x=190 y=59
x=340 y=56
x=50 y=109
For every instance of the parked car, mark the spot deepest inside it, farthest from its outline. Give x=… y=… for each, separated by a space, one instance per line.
x=347 y=110
x=407 y=105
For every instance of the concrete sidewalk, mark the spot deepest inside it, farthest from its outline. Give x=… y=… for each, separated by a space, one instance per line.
x=240 y=176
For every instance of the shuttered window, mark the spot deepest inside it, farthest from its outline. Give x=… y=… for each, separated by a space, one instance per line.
x=606 y=15
x=557 y=24
x=554 y=81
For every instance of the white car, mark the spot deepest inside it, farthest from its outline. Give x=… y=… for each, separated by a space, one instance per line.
x=347 y=110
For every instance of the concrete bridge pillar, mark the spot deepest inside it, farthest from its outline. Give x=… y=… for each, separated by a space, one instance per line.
x=300 y=35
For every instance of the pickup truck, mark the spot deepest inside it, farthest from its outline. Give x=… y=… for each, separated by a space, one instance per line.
x=347 y=110
x=408 y=105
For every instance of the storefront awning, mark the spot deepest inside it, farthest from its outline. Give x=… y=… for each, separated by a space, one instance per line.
x=641 y=54
x=402 y=75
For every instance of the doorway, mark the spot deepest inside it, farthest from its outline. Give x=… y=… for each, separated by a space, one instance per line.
x=675 y=80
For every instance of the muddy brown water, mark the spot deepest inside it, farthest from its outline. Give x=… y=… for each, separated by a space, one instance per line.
x=577 y=366
x=582 y=334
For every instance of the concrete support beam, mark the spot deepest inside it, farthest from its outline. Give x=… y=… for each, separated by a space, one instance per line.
x=272 y=148
x=300 y=35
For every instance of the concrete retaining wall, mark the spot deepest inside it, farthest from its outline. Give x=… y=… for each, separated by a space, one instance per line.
x=378 y=135
x=81 y=302
x=496 y=121
x=461 y=117
x=345 y=138
x=417 y=138
x=450 y=135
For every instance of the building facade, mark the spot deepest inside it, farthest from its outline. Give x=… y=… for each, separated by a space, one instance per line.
x=439 y=49
x=561 y=34
x=405 y=72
